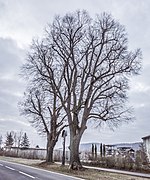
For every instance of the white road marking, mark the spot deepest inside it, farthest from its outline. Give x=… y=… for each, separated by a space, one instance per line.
x=1 y=165
x=27 y=174
x=43 y=170
x=10 y=168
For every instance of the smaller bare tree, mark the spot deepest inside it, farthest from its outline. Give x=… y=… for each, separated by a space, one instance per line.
x=17 y=136
x=44 y=115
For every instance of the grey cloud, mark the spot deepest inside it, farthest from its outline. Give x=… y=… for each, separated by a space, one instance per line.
x=10 y=85
x=2 y=7
x=10 y=94
x=10 y=57
x=139 y=93
x=8 y=105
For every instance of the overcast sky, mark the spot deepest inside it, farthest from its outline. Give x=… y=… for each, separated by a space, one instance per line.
x=21 y=21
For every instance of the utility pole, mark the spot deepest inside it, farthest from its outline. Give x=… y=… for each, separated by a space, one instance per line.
x=64 y=134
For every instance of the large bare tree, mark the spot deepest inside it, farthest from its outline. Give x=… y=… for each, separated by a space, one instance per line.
x=96 y=66
x=88 y=64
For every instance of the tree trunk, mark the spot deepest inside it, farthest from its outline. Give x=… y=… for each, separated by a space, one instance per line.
x=49 y=157
x=50 y=149
x=75 y=163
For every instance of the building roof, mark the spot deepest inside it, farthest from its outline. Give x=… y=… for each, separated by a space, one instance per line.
x=146 y=137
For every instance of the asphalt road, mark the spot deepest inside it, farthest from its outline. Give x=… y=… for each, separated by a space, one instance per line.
x=14 y=171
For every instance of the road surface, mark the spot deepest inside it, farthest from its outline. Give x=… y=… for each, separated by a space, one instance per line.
x=14 y=171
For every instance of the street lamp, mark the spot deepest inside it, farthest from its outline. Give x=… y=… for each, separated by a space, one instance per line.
x=64 y=134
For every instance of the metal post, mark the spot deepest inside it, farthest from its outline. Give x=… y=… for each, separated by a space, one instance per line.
x=64 y=134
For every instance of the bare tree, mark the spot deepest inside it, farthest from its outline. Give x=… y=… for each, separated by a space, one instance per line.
x=88 y=65
x=18 y=140
x=17 y=136
x=42 y=107
x=96 y=66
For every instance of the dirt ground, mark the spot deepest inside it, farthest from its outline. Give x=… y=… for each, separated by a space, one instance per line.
x=87 y=174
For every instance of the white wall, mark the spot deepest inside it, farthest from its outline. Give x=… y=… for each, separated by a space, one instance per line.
x=146 y=142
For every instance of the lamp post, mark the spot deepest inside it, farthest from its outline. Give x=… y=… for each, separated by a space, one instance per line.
x=64 y=134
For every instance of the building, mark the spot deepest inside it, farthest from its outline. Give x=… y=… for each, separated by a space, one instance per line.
x=146 y=143
x=126 y=151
